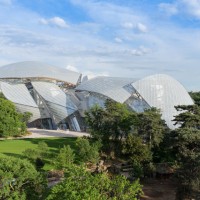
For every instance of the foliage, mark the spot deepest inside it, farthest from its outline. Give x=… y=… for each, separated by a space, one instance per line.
x=65 y=158
x=139 y=153
x=88 y=152
x=196 y=97
x=189 y=116
x=37 y=155
x=41 y=151
x=115 y=121
x=2 y=95
x=10 y=120
x=80 y=184
x=31 y=154
x=151 y=127
x=187 y=145
x=165 y=152
x=25 y=117
x=19 y=180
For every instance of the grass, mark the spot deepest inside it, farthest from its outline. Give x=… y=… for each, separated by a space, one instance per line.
x=15 y=147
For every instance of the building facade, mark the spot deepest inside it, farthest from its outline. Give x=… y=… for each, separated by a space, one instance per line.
x=57 y=98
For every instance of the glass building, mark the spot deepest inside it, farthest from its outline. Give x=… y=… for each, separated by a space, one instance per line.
x=57 y=98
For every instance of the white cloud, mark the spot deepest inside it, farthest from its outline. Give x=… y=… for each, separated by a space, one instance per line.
x=166 y=46
x=137 y=27
x=169 y=9
x=188 y=7
x=128 y=25
x=6 y=2
x=192 y=7
x=72 y=68
x=119 y=40
x=55 y=21
x=141 y=27
x=140 y=51
x=87 y=75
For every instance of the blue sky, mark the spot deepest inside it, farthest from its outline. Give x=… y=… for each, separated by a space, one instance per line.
x=132 y=38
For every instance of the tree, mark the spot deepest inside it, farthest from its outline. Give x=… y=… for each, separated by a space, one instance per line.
x=113 y=122
x=19 y=180
x=196 y=97
x=37 y=155
x=88 y=152
x=10 y=120
x=137 y=152
x=25 y=117
x=80 y=184
x=65 y=158
x=151 y=127
x=187 y=145
x=189 y=116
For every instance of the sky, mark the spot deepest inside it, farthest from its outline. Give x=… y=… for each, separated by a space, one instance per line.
x=122 y=38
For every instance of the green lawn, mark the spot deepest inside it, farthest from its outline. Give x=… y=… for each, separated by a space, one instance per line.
x=17 y=146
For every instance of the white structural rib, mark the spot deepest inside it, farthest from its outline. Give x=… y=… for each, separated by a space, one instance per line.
x=59 y=103
x=163 y=92
x=111 y=87
x=22 y=99
x=32 y=69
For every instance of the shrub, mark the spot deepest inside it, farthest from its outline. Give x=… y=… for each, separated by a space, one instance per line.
x=88 y=152
x=65 y=157
x=19 y=180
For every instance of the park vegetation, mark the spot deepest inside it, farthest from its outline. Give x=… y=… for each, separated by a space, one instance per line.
x=118 y=135
x=12 y=123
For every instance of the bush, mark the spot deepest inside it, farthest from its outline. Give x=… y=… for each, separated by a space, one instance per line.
x=65 y=158
x=88 y=152
x=19 y=180
x=10 y=120
x=37 y=156
x=80 y=184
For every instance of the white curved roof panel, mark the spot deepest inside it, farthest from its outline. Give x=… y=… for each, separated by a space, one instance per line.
x=18 y=94
x=22 y=99
x=111 y=87
x=163 y=92
x=33 y=69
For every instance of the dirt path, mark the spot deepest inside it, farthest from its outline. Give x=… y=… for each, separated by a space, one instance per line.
x=159 y=190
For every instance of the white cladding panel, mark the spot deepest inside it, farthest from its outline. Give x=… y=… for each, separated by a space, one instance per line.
x=32 y=69
x=59 y=103
x=18 y=94
x=22 y=99
x=163 y=92
x=35 y=111
x=59 y=112
x=111 y=87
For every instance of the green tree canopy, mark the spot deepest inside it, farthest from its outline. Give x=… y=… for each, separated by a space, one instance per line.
x=19 y=180
x=80 y=184
x=115 y=121
x=196 y=97
x=10 y=120
x=189 y=116
x=187 y=145
x=151 y=127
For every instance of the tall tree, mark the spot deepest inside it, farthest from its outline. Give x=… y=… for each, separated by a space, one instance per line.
x=187 y=146
x=196 y=97
x=151 y=127
x=115 y=121
x=189 y=116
